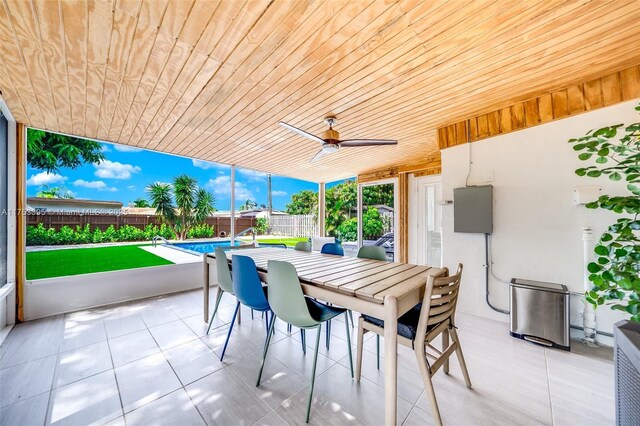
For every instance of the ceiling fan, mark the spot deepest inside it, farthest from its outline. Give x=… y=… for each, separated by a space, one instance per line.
x=330 y=139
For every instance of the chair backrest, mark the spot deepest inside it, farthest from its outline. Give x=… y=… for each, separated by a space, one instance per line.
x=246 y=283
x=439 y=302
x=303 y=246
x=332 y=248
x=222 y=270
x=285 y=294
x=372 y=252
x=318 y=242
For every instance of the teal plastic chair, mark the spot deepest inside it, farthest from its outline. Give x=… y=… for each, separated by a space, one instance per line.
x=303 y=246
x=225 y=284
x=373 y=253
x=289 y=304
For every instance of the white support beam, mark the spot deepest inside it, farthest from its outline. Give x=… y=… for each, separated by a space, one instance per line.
x=321 y=210
x=233 y=205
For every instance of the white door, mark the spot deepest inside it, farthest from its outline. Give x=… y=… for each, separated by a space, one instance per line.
x=429 y=221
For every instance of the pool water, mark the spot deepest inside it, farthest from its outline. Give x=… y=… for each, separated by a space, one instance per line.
x=204 y=247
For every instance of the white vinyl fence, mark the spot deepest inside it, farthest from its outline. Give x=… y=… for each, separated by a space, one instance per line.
x=294 y=225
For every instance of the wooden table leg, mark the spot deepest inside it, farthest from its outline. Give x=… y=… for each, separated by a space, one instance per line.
x=390 y=360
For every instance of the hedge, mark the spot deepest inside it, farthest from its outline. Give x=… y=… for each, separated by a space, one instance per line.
x=41 y=236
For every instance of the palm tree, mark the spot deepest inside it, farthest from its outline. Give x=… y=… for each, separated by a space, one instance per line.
x=192 y=204
x=140 y=202
x=248 y=205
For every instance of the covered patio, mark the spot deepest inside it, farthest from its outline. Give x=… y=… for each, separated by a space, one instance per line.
x=429 y=97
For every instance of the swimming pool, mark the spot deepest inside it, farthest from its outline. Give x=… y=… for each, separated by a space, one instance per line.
x=204 y=247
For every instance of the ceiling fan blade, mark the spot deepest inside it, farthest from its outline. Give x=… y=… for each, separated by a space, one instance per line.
x=300 y=132
x=318 y=156
x=367 y=142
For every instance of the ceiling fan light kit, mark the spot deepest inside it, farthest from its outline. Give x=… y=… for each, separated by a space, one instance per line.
x=330 y=139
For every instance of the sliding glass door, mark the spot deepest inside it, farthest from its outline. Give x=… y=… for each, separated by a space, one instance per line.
x=377 y=218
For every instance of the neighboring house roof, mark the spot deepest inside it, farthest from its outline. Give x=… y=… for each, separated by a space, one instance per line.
x=143 y=211
x=53 y=202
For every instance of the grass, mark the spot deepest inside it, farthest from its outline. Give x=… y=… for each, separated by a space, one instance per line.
x=62 y=263
x=289 y=242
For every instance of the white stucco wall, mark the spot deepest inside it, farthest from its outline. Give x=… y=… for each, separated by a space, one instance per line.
x=537 y=225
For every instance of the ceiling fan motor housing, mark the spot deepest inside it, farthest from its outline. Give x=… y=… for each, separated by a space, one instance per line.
x=330 y=136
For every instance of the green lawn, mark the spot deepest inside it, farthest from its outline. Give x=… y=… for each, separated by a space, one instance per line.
x=61 y=263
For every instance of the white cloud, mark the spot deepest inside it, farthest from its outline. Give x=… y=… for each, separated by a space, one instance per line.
x=279 y=193
x=126 y=148
x=131 y=187
x=95 y=184
x=105 y=148
x=206 y=165
x=45 y=178
x=222 y=186
x=252 y=174
x=114 y=170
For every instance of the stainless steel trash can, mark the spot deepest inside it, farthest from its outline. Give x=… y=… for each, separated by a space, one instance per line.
x=540 y=312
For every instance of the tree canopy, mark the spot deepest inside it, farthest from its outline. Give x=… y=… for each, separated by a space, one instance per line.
x=51 y=151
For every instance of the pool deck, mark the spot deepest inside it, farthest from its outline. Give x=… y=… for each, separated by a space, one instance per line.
x=171 y=254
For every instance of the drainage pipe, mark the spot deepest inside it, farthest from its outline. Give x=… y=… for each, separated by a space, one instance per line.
x=486 y=277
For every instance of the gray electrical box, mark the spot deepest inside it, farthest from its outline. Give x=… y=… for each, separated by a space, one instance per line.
x=473 y=209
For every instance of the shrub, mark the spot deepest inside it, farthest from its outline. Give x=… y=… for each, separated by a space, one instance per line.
x=262 y=225
x=41 y=236
x=201 y=231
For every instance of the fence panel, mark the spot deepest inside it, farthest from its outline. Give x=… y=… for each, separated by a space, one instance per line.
x=103 y=221
x=294 y=226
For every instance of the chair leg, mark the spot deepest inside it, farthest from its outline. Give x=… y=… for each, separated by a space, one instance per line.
x=328 y=336
x=266 y=348
x=346 y=326
x=445 y=345
x=265 y=315
x=378 y=351
x=421 y=357
x=303 y=339
x=359 y=349
x=215 y=309
x=351 y=318
x=463 y=365
x=240 y=316
x=235 y=313
x=289 y=328
x=313 y=373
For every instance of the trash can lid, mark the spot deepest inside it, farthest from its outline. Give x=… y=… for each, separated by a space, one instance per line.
x=539 y=285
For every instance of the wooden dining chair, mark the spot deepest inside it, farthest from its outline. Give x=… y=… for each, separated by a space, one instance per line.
x=420 y=326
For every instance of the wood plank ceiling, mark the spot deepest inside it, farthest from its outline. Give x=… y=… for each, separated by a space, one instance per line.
x=210 y=79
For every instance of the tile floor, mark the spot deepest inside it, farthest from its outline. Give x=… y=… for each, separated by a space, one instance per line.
x=150 y=362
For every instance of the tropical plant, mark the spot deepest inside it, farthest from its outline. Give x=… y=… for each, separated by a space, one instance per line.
x=52 y=151
x=54 y=192
x=616 y=272
x=192 y=204
x=262 y=225
x=140 y=202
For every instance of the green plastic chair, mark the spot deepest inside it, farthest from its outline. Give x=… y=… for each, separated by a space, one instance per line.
x=289 y=304
x=225 y=284
x=303 y=246
x=372 y=252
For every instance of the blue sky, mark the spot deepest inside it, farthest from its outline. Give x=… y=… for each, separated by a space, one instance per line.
x=127 y=172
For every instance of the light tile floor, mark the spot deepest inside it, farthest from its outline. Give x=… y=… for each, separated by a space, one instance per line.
x=150 y=362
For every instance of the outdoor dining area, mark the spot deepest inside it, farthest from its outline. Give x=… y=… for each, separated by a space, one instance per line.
x=324 y=212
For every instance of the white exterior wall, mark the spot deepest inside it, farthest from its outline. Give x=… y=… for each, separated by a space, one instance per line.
x=537 y=225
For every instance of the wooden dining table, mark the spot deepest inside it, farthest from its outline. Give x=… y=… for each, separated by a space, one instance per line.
x=381 y=289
